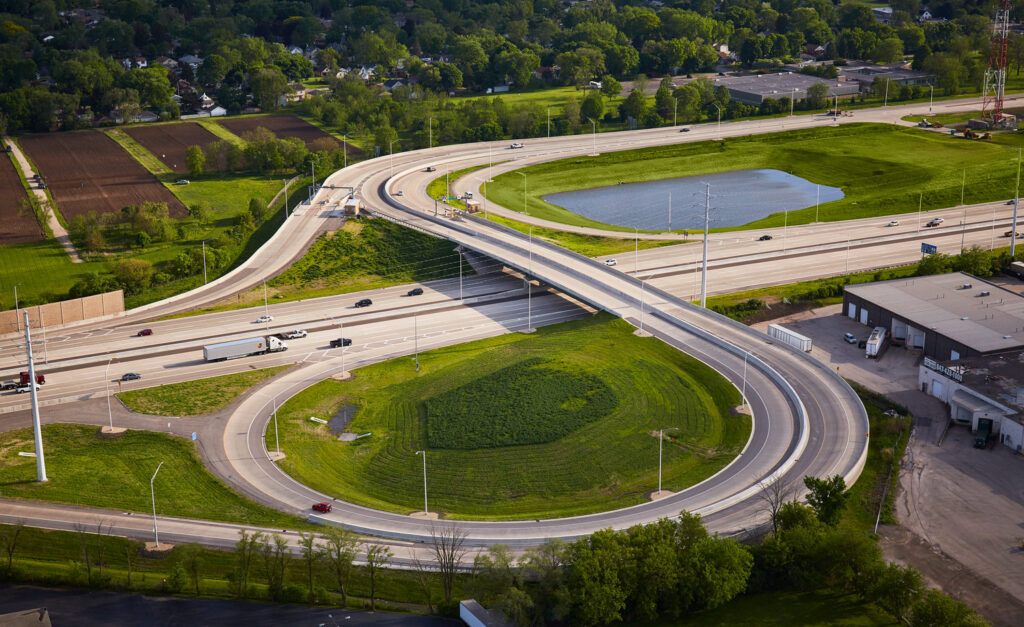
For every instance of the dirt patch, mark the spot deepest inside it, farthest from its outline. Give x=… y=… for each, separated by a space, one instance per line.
x=778 y=309
x=18 y=227
x=341 y=419
x=168 y=142
x=88 y=171
x=284 y=126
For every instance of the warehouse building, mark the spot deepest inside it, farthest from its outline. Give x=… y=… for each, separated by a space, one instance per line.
x=948 y=316
x=754 y=89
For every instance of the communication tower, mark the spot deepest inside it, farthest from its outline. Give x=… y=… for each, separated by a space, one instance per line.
x=995 y=76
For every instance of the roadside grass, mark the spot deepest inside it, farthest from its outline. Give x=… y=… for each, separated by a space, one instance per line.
x=554 y=97
x=806 y=609
x=195 y=398
x=609 y=463
x=85 y=469
x=219 y=131
x=56 y=558
x=882 y=169
x=367 y=253
x=42 y=271
x=139 y=152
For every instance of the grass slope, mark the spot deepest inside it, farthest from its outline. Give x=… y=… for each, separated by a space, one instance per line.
x=786 y=609
x=194 y=398
x=611 y=462
x=881 y=169
x=85 y=469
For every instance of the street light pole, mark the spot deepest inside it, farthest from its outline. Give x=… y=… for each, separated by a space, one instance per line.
x=642 y=307
x=204 y=253
x=931 y=98
x=594 y=125
x=106 y=382
x=636 y=250
x=37 y=429
x=266 y=306
x=704 y=263
x=886 y=102
x=529 y=288
x=549 y=121
x=344 y=148
x=17 y=315
x=277 y=441
x=675 y=109
x=156 y=532
x=661 y=439
x=424 y=454
x=719 y=119
x=743 y=393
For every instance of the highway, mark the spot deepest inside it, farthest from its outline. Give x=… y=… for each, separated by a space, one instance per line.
x=806 y=420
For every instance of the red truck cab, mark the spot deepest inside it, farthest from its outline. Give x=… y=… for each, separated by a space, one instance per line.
x=40 y=378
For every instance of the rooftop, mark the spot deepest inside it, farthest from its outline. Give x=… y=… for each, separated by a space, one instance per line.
x=941 y=303
x=998 y=377
x=780 y=83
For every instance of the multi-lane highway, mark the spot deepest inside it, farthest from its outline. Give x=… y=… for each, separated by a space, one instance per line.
x=806 y=420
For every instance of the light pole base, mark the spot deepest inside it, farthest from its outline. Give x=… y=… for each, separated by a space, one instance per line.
x=530 y=330
x=642 y=333
x=742 y=410
x=342 y=376
x=654 y=496
x=432 y=515
x=275 y=456
x=152 y=550
x=112 y=432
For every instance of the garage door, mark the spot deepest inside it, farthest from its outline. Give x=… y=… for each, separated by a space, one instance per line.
x=937 y=389
x=851 y=311
x=863 y=316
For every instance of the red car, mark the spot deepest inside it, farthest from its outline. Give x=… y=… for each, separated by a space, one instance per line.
x=145 y=332
x=322 y=507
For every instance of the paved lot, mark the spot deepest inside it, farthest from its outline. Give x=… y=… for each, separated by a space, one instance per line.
x=961 y=509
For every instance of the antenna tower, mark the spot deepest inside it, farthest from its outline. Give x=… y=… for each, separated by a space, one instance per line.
x=995 y=76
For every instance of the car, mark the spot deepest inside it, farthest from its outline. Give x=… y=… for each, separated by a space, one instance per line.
x=1012 y=201
x=144 y=332
x=430 y=168
x=295 y=334
x=684 y=130
x=130 y=376
x=764 y=238
x=849 y=338
x=935 y=222
x=9 y=385
x=516 y=145
x=416 y=291
x=322 y=507
x=265 y=319
x=341 y=341
x=21 y=389
x=1012 y=234
x=366 y=302
x=893 y=223
x=399 y=193
x=609 y=262
x=468 y=195
x=182 y=182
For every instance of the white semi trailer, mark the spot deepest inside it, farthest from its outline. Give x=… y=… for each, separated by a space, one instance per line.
x=792 y=338
x=243 y=348
x=876 y=342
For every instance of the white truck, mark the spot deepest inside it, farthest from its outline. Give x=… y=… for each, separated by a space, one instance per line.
x=876 y=342
x=243 y=348
x=792 y=338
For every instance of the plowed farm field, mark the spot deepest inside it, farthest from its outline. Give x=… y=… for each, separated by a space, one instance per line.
x=281 y=126
x=16 y=228
x=88 y=171
x=170 y=141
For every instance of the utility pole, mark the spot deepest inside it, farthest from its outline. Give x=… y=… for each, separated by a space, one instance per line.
x=704 y=263
x=204 y=255
x=37 y=428
x=670 y=211
x=1016 y=203
x=424 y=454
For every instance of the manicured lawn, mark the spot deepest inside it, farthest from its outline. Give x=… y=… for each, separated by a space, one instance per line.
x=42 y=271
x=84 y=469
x=607 y=463
x=881 y=169
x=785 y=609
x=194 y=398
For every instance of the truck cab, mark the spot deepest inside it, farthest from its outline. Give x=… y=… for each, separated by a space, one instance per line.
x=40 y=378
x=983 y=433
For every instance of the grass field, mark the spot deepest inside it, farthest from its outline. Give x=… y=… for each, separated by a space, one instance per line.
x=84 y=469
x=608 y=463
x=194 y=398
x=881 y=169
x=137 y=150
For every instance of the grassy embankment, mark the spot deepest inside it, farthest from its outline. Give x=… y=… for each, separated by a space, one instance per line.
x=114 y=473
x=365 y=254
x=195 y=398
x=881 y=170
x=607 y=463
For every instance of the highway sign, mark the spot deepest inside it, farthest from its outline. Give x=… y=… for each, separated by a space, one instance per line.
x=928 y=249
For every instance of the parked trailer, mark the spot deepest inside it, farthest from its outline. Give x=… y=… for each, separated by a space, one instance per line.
x=792 y=338
x=876 y=342
x=243 y=348
x=1016 y=269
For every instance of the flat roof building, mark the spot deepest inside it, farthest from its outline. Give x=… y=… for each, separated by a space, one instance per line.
x=753 y=89
x=948 y=316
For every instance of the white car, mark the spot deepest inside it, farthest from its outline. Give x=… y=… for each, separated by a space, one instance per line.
x=893 y=223
x=609 y=262
x=264 y=319
x=25 y=388
x=516 y=145
x=297 y=333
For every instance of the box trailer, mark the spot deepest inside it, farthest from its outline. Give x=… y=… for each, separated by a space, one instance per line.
x=876 y=343
x=1016 y=269
x=792 y=338
x=243 y=348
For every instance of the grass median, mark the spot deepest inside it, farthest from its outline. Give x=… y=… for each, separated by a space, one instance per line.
x=194 y=398
x=485 y=412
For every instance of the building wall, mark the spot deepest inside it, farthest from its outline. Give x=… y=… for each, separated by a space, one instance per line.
x=943 y=388
x=938 y=346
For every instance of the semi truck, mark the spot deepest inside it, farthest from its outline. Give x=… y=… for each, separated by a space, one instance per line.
x=792 y=338
x=25 y=378
x=983 y=433
x=243 y=348
x=876 y=343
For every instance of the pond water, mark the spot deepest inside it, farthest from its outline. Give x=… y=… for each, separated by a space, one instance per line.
x=737 y=197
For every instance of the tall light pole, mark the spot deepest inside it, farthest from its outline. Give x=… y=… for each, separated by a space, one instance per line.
x=704 y=263
x=885 y=103
x=931 y=98
x=675 y=109
x=1016 y=203
x=286 y=214
x=424 y=454
x=636 y=250
x=204 y=248
x=719 y=119
x=743 y=392
x=391 y=155
x=594 y=125
x=529 y=289
x=106 y=382
x=312 y=173
x=344 y=148
x=277 y=441
x=37 y=428
x=549 y=121
x=661 y=439
x=17 y=315
x=156 y=532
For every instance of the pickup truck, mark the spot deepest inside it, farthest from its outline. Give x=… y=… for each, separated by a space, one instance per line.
x=292 y=335
x=340 y=342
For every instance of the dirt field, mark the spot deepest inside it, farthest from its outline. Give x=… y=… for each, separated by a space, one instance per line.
x=170 y=141
x=17 y=229
x=281 y=126
x=88 y=171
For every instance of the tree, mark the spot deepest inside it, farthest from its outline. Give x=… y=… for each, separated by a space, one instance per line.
x=312 y=555
x=133 y=275
x=610 y=87
x=339 y=548
x=817 y=96
x=546 y=566
x=723 y=567
x=199 y=212
x=192 y=560
x=9 y=537
x=268 y=86
x=448 y=543
x=195 y=161
x=274 y=550
x=258 y=210
x=774 y=494
x=935 y=609
x=827 y=497
x=377 y=557
x=593 y=105
x=246 y=549
x=598 y=593
x=936 y=263
x=633 y=106
x=896 y=588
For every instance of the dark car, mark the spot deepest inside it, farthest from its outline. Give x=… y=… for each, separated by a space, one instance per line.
x=130 y=376
x=431 y=168
x=416 y=291
x=341 y=341
x=144 y=332
x=764 y=238
x=322 y=507
x=366 y=302
x=684 y=130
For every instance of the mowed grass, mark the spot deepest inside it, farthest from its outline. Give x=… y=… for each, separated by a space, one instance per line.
x=881 y=169
x=139 y=152
x=84 y=469
x=194 y=398
x=609 y=463
x=41 y=270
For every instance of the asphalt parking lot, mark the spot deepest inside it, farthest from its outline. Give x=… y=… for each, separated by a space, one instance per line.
x=961 y=509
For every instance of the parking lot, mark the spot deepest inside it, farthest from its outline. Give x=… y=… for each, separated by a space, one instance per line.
x=961 y=509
